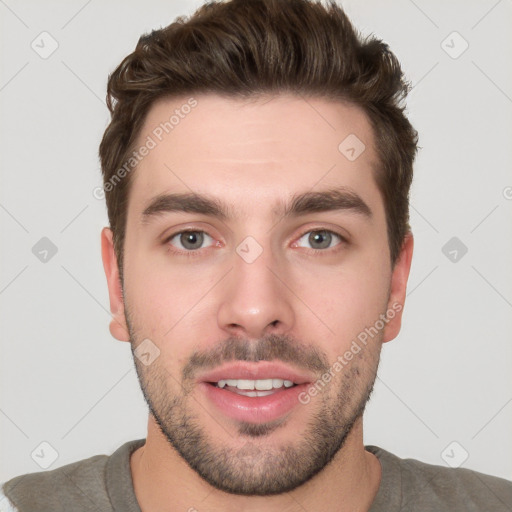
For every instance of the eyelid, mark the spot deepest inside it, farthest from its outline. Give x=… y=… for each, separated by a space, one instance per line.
x=199 y=227
x=343 y=239
x=167 y=239
x=179 y=233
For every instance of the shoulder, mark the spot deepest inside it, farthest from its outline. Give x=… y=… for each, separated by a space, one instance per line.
x=81 y=483
x=425 y=486
x=86 y=485
x=101 y=482
x=5 y=503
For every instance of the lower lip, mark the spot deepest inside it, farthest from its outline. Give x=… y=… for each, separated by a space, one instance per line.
x=258 y=409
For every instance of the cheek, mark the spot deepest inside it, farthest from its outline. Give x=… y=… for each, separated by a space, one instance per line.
x=158 y=313
x=346 y=301
x=164 y=298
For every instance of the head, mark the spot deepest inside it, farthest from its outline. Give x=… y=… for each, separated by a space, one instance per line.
x=276 y=136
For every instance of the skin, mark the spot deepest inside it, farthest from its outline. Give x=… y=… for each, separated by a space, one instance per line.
x=253 y=155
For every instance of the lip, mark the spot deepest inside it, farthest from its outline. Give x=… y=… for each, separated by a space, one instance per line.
x=259 y=409
x=256 y=371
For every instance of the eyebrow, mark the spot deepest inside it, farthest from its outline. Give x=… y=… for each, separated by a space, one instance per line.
x=335 y=199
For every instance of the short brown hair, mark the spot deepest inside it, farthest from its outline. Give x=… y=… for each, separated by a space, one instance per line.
x=244 y=48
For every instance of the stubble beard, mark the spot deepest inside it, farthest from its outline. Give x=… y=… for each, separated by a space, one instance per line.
x=255 y=469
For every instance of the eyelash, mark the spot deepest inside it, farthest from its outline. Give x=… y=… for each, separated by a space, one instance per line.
x=180 y=252
x=197 y=253
x=330 y=250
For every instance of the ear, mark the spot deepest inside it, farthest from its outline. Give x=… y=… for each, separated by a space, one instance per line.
x=398 y=288
x=118 y=325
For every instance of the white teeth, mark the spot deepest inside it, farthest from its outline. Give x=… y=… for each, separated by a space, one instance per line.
x=260 y=384
x=277 y=383
x=245 y=384
x=255 y=393
x=263 y=385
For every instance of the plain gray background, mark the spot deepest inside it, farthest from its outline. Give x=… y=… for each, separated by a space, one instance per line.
x=445 y=379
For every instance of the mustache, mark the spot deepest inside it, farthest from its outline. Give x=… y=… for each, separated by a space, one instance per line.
x=269 y=348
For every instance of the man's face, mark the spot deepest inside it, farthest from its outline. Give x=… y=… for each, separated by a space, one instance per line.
x=276 y=290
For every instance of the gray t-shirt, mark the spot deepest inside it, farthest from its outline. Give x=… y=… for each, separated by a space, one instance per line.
x=104 y=483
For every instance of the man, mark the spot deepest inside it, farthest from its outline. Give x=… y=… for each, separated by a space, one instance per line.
x=257 y=170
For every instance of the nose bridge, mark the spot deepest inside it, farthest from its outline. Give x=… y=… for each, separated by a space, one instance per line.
x=254 y=301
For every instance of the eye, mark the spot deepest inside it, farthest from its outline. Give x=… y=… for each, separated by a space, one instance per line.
x=319 y=239
x=189 y=240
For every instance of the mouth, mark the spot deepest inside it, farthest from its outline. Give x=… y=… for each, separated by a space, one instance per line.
x=254 y=392
x=253 y=388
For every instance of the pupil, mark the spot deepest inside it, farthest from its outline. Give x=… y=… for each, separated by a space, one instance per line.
x=321 y=238
x=192 y=240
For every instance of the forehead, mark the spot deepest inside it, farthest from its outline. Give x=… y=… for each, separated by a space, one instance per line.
x=253 y=153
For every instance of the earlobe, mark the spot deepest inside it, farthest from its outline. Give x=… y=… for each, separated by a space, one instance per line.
x=398 y=288
x=118 y=325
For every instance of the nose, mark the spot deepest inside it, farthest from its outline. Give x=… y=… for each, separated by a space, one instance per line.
x=255 y=300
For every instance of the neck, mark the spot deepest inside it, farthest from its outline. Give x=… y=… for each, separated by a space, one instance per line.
x=160 y=476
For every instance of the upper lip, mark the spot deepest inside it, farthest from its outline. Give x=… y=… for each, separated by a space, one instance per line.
x=255 y=371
